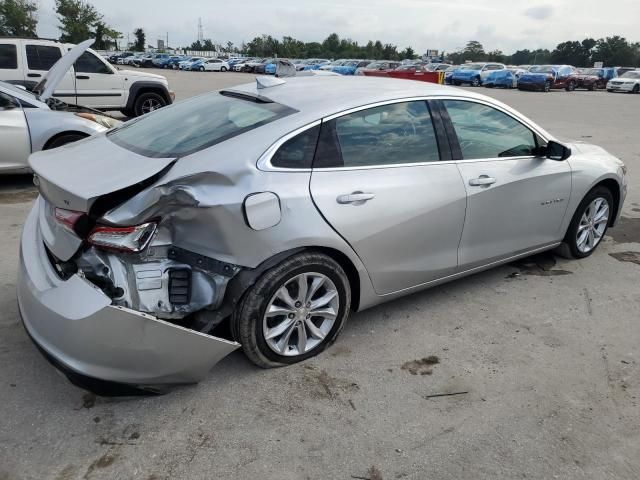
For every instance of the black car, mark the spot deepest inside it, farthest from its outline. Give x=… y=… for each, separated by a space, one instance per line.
x=260 y=68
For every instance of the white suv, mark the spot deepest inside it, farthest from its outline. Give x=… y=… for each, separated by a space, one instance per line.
x=92 y=82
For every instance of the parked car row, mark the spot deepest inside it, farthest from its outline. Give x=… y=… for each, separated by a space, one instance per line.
x=544 y=77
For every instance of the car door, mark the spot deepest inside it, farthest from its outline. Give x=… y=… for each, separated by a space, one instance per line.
x=40 y=56
x=98 y=84
x=516 y=198
x=378 y=181
x=14 y=134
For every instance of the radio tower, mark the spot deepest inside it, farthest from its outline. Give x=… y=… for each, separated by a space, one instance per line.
x=200 y=35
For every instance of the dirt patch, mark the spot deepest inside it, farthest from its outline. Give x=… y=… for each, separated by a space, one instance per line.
x=632 y=257
x=88 y=400
x=627 y=230
x=372 y=474
x=103 y=462
x=20 y=196
x=422 y=366
x=540 y=265
x=327 y=386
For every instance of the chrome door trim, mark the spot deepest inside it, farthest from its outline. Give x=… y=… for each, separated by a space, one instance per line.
x=475 y=269
x=264 y=162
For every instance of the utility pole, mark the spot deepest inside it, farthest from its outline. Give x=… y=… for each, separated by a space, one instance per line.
x=200 y=35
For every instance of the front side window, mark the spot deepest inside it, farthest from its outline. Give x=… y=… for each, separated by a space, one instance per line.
x=42 y=57
x=195 y=124
x=390 y=134
x=8 y=57
x=484 y=132
x=7 y=102
x=89 y=63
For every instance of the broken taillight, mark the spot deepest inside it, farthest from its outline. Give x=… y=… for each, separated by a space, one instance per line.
x=68 y=218
x=123 y=239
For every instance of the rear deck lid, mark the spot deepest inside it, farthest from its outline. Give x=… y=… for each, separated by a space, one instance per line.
x=73 y=177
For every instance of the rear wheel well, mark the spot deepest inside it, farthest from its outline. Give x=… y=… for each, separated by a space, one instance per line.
x=348 y=267
x=57 y=136
x=614 y=187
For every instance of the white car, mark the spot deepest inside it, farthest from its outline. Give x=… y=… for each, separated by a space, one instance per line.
x=628 y=82
x=215 y=65
x=30 y=122
x=92 y=82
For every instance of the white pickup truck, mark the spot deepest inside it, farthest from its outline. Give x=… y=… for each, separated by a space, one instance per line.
x=92 y=82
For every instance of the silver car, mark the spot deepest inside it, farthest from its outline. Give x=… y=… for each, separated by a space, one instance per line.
x=31 y=122
x=260 y=216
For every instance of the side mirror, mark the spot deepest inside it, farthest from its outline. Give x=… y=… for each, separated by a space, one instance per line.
x=557 y=151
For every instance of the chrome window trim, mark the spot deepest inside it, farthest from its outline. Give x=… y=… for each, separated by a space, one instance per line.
x=264 y=161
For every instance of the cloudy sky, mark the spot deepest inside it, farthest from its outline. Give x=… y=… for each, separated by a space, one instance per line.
x=507 y=25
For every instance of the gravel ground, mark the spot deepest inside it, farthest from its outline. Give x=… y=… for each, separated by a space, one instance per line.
x=545 y=351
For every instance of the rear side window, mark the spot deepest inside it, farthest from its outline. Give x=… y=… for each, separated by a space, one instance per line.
x=195 y=124
x=298 y=151
x=41 y=57
x=390 y=134
x=8 y=57
x=89 y=63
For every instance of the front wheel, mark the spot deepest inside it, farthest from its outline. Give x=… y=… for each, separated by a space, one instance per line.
x=475 y=82
x=201 y=69
x=223 y=69
x=636 y=89
x=547 y=87
x=294 y=311
x=589 y=223
x=571 y=86
x=147 y=103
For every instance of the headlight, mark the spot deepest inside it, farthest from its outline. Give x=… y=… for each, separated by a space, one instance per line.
x=106 y=122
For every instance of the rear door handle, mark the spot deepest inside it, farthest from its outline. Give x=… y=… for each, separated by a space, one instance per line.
x=34 y=75
x=82 y=77
x=482 y=180
x=355 y=198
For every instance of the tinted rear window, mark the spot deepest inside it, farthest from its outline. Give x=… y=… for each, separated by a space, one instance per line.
x=41 y=57
x=195 y=124
x=8 y=57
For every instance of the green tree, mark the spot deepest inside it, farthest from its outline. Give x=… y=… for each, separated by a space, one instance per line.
x=77 y=19
x=407 y=53
x=208 y=45
x=17 y=18
x=615 y=51
x=573 y=53
x=474 y=51
x=140 y=42
x=105 y=37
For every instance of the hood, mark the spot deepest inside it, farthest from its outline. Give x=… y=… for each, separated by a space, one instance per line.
x=76 y=175
x=138 y=74
x=466 y=72
x=45 y=88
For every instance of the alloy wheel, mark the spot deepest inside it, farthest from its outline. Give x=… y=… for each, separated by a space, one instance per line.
x=301 y=314
x=593 y=224
x=150 y=104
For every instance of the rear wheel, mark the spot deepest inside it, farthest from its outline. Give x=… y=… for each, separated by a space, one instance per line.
x=636 y=89
x=590 y=222
x=457 y=84
x=475 y=82
x=64 y=139
x=294 y=311
x=201 y=69
x=571 y=86
x=223 y=69
x=547 y=87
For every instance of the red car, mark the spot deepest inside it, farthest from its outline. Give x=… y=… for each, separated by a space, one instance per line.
x=546 y=77
x=590 y=78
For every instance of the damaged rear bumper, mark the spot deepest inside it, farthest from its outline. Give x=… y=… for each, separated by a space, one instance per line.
x=78 y=329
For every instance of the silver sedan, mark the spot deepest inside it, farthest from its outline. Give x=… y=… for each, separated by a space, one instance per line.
x=260 y=216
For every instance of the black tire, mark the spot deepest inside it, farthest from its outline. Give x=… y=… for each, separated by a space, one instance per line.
x=570 y=239
x=476 y=82
x=590 y=87
x=64 y=139
x=571 y=86
x=636 y=89
x=146 y=101
x=609 y=90
x=201 y=68
x=223 y=69
x=128 y=113
x=547 y=87
x=247 y=320
x=457 y=84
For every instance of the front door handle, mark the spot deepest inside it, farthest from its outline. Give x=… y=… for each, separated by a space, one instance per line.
x=34 y=75
x=355 y=198
x=82 y=77
x=482 y=180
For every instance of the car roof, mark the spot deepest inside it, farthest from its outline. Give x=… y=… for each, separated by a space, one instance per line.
x=333 y=94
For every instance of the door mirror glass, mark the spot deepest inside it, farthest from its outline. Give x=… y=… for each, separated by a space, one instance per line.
x=7 y=102
x=557 y=151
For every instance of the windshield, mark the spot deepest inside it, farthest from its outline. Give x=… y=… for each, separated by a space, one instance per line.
x=541 y=69
x=590 y=71
x=472 y=66
x=195 y=124
x=635 y=74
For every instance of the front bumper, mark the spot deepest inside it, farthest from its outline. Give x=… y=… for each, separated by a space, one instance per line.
x=624 y=87
x=78 y=329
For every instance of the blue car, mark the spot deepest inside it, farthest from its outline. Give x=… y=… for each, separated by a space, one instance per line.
x=350 y=67
x=546 y=77
x=474 y=73
x=270 y=68
x=197 y=65
x=507 y=78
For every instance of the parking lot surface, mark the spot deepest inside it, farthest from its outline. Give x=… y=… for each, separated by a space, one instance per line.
x=542 y=357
